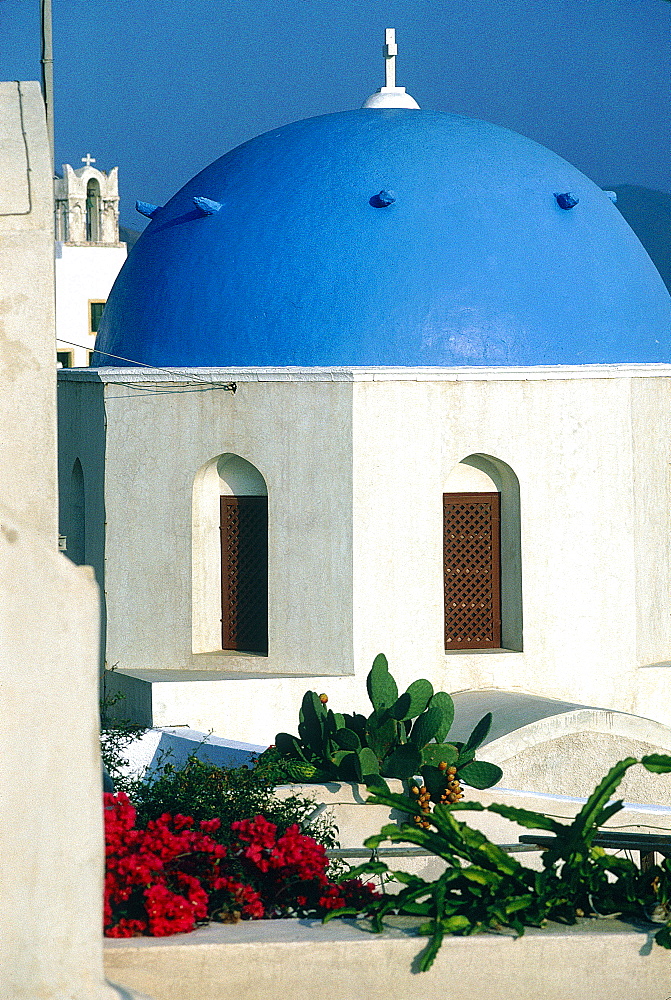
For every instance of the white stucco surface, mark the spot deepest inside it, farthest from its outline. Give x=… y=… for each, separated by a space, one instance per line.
x=51 y=863
x=148 y=497
x=356 y=462
x=84 y=274
x=304 y=960
x=51 y=866
x=28 y=482
x=357 y=819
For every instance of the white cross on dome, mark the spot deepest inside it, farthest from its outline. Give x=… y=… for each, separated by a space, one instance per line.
x=390 y=96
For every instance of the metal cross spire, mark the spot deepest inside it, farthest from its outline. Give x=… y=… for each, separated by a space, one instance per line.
x=88 y=159
x=390 y=50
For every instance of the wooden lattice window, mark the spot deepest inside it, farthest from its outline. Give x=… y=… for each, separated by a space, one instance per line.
x=244 y=573
x=472 y=570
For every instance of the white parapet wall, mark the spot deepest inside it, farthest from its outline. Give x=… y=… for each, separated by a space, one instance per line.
x=305 y=960
x=357 y=819
x=28 y=482
x=51 y=823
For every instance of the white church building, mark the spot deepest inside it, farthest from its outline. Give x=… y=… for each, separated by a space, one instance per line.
x=401 y=382
x=89 y=256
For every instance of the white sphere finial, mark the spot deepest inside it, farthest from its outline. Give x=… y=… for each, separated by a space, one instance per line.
x=390 y=96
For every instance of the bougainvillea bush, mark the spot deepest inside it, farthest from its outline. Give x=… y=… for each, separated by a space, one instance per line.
x=203 y=790
x=173 y=874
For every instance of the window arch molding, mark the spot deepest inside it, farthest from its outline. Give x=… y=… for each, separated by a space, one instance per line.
x=485 y=474
x=225 y=475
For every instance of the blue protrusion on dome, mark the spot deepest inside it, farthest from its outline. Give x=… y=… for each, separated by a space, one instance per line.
x=383 y=199
x=566 y=200
x=206 y=206
x=147 y=209
x=299 y=271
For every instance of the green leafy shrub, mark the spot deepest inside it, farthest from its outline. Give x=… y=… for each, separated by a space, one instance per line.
x=115 y=738
x=403 y=736
x=484 y=888
x=203 y=791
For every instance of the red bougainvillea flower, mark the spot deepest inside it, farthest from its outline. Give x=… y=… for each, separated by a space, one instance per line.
x=258 y=839
x=241 y=898
x=156 y=879
x=173 y=875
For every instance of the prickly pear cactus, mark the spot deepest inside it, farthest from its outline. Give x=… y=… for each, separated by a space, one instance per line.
x=402 y=737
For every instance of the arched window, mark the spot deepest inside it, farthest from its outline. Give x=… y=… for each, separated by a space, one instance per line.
x=482 y=556
x=75 y=528
x=93 y=211
x=230 y=557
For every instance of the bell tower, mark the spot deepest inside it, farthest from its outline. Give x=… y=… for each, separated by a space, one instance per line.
x=87 y=205
x=89 y=255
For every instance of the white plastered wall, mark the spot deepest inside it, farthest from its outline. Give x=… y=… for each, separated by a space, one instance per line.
x=84 y=274
x=51 y=823
x=28 y=482
x=298 y=437
x=569 y=441
x=355 y=468
x=651 y=439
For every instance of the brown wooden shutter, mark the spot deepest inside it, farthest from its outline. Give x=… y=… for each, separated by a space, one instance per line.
x=472 y=570
x=244 y=573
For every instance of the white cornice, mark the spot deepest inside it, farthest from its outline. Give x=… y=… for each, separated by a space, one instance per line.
x=364 y=374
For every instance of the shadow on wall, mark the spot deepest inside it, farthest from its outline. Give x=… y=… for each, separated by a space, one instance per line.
x=82 y=520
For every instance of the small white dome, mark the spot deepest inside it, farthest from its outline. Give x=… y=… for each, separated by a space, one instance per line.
x=390 y=97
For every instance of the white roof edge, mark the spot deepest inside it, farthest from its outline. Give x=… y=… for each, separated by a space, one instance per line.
x=363 y=374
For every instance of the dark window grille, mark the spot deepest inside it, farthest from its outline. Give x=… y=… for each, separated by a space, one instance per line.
x=244 y=573
x=472 y=570
x=95 y=315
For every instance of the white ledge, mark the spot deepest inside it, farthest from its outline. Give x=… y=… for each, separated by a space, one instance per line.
x=305 y=960
x=361 y=374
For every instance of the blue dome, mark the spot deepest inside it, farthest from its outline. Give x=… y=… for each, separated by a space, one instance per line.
x=473 y=262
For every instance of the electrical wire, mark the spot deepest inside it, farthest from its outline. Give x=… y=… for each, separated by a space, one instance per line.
x=142 y=390
x=179 y=373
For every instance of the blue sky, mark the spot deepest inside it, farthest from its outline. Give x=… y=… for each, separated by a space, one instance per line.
x=161 y=89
